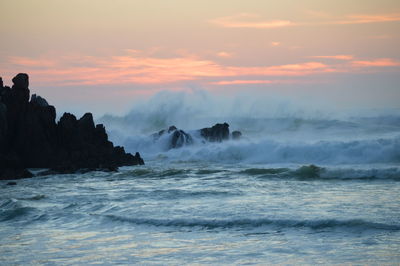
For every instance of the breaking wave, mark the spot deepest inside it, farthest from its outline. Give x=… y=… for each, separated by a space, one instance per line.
x=272 y=132
x=354 y=224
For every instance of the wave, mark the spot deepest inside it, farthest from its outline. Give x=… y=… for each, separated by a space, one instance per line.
x=289 y=135
x=264 y=171
x=323 y=173
x=11 y=209
x=268 y=151
x=309 y=172
x=353 y=224
x=37 y=197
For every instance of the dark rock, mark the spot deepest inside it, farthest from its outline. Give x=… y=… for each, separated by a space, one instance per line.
x=171 y=128
x=236 y=135
x=20 y=87
x=178 y=138
x=216 y=133
x=139 y=159
x=36 y=99
x=30 y=137
x=12 y=168
x=12 y=183
x=3 y=125
x=21 y=81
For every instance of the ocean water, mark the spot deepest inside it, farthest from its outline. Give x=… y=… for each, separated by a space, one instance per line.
x=293 y=190
x=204 y=213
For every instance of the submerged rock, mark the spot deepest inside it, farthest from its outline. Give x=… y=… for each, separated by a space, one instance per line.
x=30 y=137
x=236 y=135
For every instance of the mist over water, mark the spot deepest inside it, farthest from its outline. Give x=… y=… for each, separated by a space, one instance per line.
x=274 y=130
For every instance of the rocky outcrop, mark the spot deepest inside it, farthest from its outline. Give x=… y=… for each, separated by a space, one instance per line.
x=178 y=138
x=31 y=138
x=216 y=133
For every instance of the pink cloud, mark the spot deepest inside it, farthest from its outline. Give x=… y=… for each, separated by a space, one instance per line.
x=224 y=54
x=136 y=68
x=337 y=57
x=89 y=70
x=238 y=82
x=381 y=62
x=24 y=61
x=252 y=81
x=245 y=20
x=362 y=19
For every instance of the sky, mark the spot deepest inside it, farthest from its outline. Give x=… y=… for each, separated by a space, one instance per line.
x=104 y=56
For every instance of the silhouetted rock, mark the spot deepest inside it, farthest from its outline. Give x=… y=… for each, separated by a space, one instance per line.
x=180 y=138
x=30 y=137
x=36 y=99
x=12 y=168
x=216 y=133
x=236 y=135
x=177 y=137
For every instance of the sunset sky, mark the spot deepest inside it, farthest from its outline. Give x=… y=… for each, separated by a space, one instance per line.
x=104 y=55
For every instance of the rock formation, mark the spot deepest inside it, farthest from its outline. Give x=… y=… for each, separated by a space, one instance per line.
x=216 y=133
x=31 y=138
x=179 y=138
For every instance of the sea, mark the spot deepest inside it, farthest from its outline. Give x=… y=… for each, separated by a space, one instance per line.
x=294 y=190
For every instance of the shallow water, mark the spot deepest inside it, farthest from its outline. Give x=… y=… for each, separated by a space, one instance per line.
x=205 y=213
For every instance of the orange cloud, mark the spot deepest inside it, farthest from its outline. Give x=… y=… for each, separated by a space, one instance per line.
x=246 y=20
x=135 y=68
x=251 y=81
x=224 y=54
x=337 y=57
x=361 y=19
x=238 y=82
x=89 y=70
x=382 y=62
x=249 y=21
x=24 y=61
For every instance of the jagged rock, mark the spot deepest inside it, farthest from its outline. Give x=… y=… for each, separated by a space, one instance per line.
x=172 y=128
x=20 y=87
x=216 y=133
x=236 y=135
x=36 y=99
x=30 y=135
x=138 y=158
x=180 y=138
x=3 y=125
x=21 y=81
x=156 y=136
